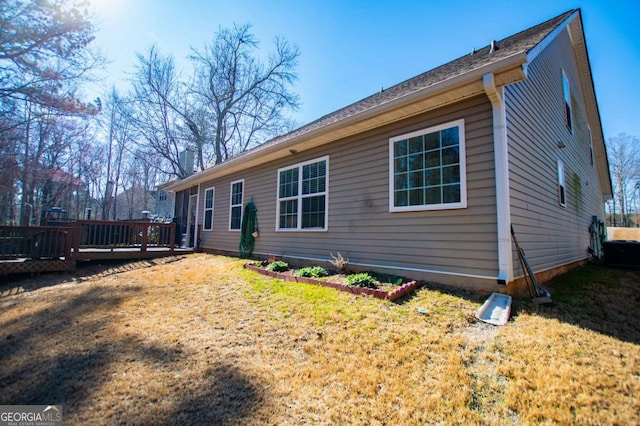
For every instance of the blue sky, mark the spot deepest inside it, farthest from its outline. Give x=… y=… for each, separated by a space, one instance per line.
x=351 y=49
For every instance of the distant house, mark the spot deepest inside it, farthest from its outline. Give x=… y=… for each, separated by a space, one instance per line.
x=165 y=201
x=425 y=178
x=133 y=202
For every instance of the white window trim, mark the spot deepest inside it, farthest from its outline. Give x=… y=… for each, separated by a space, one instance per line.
x=231 y=205
x=463 y=170
x=299 y=197
x=204 y=210
x=562 y=187
x=566 y=95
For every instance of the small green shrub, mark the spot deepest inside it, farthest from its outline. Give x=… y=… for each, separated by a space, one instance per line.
x=313 y=272
x=362 y=279
x=386 y=278
x=278 y=266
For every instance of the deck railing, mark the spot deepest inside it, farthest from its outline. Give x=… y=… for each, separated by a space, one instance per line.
x=54 y=242
x=112 y=235
x=35 y=242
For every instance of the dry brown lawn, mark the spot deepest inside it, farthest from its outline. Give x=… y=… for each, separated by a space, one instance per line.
x=199 y=340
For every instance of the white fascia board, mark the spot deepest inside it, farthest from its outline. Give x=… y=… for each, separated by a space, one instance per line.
x=258 y=155
x=535 y=51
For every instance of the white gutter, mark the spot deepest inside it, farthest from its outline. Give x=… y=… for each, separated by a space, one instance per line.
x=501 y=159
x=195 y=225
x=509 y=62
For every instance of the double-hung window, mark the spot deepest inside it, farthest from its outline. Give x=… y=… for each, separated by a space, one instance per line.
x=208 y=209
x=562 y=192
x=235 y=212
x=428 y=169
x=566 y=90
x=302 y=196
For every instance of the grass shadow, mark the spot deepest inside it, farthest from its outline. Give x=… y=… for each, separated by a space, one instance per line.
x=25 y=282
x=67 y=351
x=600 y=298
x=37 y=366
x=225 y=396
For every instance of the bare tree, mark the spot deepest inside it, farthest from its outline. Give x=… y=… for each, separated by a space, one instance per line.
x=156 y=92
x=57 y=180
x=49 y=157
x=234 y=101
x=167 y=114
x=138 y=182
x=89 y=168
x=196 y=130
x=246 y=99
x=44 y=52
x=44 y=55
x=120 y=134
x=624 y=162
x=9 y=171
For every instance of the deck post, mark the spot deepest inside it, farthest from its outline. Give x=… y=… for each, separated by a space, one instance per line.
x=172 y=237
x=145 y=236
x=77 y=233
x=68 y=241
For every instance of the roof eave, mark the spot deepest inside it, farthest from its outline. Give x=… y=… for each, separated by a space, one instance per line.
x=535 y=51
x=332 y=132
x=573 y=24
x=579 y=42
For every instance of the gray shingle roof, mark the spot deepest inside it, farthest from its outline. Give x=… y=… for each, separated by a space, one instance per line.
x=521 y=42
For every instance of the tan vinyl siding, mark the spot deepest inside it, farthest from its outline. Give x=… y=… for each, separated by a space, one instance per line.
x=360 y=226
x=552 y=235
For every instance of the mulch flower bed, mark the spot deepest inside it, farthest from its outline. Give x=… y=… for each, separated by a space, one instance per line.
x=395 y=293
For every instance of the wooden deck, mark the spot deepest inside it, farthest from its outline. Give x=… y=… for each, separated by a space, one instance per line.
x=58 y=248
x=128 y=253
